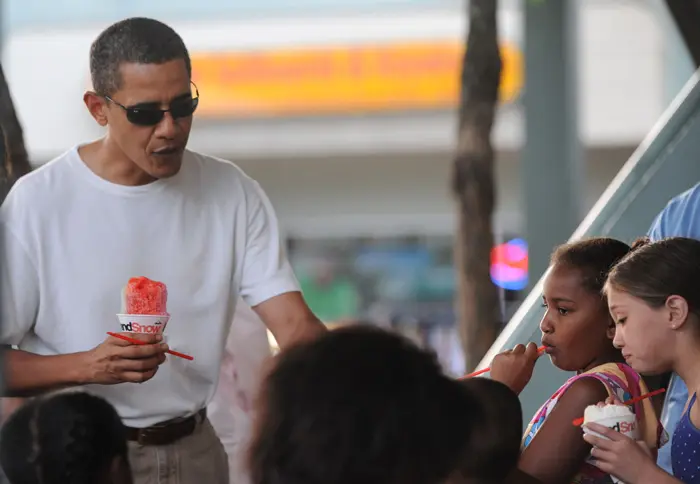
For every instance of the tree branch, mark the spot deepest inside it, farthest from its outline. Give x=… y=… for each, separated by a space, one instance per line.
x=15 y=161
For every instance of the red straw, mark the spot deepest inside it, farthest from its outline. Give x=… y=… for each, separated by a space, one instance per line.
x=139 y=342
x=486 y=370
x=579 y=421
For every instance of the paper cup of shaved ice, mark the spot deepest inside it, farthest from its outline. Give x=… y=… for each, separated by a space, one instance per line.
x=144 y=308
x=616 y=417
x=142 y=323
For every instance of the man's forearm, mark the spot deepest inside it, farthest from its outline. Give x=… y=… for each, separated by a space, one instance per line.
x=8 y=407
x=290 y=319
x=304 y=331
x=27 y=374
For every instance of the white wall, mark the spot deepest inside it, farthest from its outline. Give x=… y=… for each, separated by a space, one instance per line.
x=620 y=79
x=395 y=195
x=621 y=71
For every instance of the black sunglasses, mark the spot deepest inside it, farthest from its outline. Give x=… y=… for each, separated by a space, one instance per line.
x=151 y=115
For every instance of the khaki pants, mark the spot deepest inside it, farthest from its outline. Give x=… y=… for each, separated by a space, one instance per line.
x=196 y=459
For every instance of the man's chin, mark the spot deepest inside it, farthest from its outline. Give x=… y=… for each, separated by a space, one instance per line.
x=168 y=174
x=167 y=170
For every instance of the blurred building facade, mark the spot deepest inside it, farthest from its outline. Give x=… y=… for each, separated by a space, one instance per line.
x=344 y=111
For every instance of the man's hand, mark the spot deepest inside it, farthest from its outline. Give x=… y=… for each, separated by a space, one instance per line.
x=118 y=361
x=514 y=367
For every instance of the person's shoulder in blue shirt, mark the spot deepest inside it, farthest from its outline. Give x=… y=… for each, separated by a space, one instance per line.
x=680 y=218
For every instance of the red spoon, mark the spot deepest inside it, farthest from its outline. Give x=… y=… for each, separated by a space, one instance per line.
x=486 y=370
x=579 y=421
x=139 y=342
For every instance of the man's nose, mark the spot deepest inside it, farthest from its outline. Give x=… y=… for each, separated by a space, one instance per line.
x=167 y=128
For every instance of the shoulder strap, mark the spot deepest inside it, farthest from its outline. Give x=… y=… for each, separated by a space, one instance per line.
x=652 y=429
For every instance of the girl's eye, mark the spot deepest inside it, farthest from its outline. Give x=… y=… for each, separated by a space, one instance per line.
x=563 y=311
x=621 y=321
x=544 y=305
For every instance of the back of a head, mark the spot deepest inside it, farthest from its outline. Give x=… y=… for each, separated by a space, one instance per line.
x=494 y=447
x=593 y=257
x=136 y=40
x=67 y=438
x=358 y=404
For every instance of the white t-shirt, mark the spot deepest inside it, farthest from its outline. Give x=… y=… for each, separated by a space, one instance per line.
x=71 y=240
x=230 y=411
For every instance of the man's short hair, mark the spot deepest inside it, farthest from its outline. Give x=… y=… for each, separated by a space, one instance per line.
x=360 y=405
x=135 y=40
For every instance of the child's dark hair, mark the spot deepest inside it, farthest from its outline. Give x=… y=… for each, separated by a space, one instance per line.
x=593 y=257
x=67 y=438
x=494 y=448
x=359 y=405
x=653 y=271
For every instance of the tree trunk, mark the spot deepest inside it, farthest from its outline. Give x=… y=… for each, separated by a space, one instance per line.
x=15 y=161
x=473 y=185
x=686 y=14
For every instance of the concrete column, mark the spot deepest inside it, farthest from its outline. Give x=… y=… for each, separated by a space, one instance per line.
x=678 y=65
x=552 y=173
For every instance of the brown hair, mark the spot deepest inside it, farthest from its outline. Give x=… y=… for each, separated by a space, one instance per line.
x=654 y=271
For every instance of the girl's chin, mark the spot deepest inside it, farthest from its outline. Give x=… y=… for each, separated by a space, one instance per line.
x=650 y=371
x=644 y=369
x=562 y=365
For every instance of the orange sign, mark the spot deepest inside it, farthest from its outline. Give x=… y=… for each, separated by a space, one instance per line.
x=408 y=76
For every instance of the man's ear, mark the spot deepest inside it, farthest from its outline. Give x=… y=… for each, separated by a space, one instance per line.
x=97 y=106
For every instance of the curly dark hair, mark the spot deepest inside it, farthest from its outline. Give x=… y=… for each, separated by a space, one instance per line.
x=593 y=257
x=359 y=405
x=66 y=438
x=135 y=40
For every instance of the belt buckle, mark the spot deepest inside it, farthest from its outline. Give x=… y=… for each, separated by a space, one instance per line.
x=143 y=436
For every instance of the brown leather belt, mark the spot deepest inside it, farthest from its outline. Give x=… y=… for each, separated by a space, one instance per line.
x=166 y=433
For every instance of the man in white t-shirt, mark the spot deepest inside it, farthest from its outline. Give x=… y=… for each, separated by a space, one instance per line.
x=138 y=203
